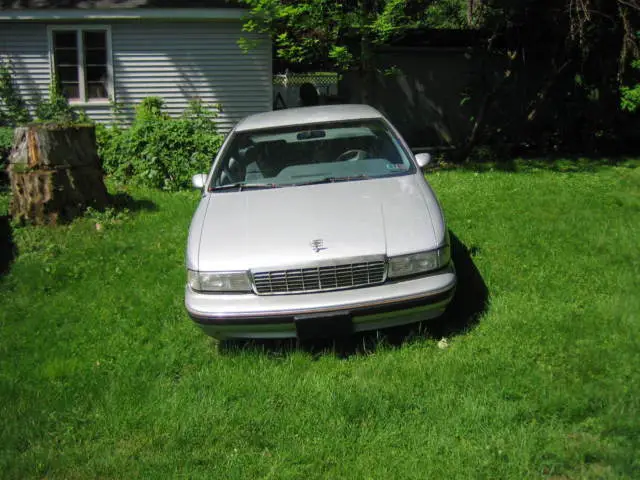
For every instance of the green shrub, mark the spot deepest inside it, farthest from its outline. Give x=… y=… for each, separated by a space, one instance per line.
x=13 y=111
x=158 y=150
x=630 y=96
x=6 y=138
x=57 y=109
x=6 y=141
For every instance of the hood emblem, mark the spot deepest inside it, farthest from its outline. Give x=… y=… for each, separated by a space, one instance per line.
x=317 y=245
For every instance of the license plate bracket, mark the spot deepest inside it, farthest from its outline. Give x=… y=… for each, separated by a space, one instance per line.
x=323 y=325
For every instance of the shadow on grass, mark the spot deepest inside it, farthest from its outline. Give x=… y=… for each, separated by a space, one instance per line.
x=123 y=201
x=462 y=314
x=8 y=248
x=565 y=164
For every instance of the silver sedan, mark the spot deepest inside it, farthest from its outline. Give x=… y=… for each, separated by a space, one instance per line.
x=313 y=222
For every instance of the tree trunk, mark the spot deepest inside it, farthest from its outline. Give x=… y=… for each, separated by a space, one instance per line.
x=366 y=67
x=55 y=173
x=366 y=73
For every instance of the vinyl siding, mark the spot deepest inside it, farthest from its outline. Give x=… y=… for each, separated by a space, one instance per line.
x=175 y=61
x=28 y=49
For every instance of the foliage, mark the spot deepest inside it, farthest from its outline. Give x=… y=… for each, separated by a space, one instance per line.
x=341 y=34
x=630 y=96
x=545 y=385
x=56 y=108
x=564 y=67
x=453 y=14
x=158 y=150
x=118 y=112
x=13 y=111
x=545 y=45
x=6 y=138
x=6 y=142
x=107 y=217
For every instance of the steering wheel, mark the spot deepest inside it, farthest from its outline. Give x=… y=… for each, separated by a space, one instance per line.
x=352 y=155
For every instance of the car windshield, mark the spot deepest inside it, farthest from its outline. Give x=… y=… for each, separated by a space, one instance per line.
x=308 y=154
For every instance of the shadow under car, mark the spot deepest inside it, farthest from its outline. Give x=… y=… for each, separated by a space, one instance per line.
x=463 y=313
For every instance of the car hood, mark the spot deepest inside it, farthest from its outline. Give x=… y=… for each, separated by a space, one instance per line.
x=275 y=228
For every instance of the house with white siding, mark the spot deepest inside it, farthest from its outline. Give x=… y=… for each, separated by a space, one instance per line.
x=120 y=51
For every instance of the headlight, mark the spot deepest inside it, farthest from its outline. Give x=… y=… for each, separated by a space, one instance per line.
x=416 y=263
x=219 y=281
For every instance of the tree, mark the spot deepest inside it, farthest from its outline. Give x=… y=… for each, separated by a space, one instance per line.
x=342 y=35
x=580 y=53
x=13 y=110
x=630 y=95
x=580 y=50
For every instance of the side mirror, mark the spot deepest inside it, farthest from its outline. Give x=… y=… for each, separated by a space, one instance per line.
x=199 y=180
x=423 y=159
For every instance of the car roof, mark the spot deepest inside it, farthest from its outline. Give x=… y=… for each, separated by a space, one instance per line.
x=307 y=115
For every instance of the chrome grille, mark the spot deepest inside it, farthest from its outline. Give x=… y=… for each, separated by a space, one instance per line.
x=315 y=279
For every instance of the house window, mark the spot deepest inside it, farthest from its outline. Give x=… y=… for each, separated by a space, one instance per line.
x=81 y=62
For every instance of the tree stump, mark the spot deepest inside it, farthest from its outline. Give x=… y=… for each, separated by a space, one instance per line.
x=55 y=173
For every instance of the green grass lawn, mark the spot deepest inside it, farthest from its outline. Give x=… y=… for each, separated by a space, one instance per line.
x=102 y=374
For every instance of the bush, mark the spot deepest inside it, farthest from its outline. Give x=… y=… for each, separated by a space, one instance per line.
x=6 y=142
x=13 y=111
x=157 y=150
x=6 y=138
x=630 y=96
x=57 y=109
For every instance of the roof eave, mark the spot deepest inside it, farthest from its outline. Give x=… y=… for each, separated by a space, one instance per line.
x=65 y=15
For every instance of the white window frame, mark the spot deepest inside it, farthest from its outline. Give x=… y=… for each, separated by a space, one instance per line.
x=83 y=100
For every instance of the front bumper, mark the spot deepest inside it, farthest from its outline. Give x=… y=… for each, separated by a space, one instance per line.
x=370 y=308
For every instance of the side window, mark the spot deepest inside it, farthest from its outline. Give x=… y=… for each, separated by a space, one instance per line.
x=66 y=62
x=94 y=44
x=81 y=63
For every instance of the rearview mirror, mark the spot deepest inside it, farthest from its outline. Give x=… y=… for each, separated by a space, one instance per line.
x=199 y=180
x=423 y=159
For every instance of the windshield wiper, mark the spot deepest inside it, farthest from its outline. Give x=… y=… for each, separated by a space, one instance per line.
x=362 y=176
x=242 y=186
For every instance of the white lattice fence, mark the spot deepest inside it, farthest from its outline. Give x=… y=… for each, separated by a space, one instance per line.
x=286 y=87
